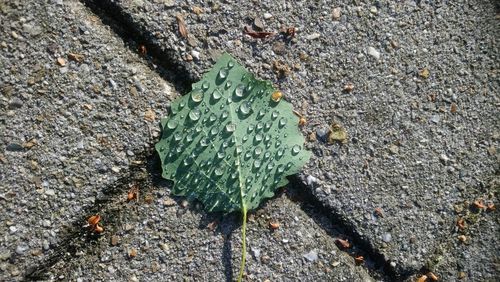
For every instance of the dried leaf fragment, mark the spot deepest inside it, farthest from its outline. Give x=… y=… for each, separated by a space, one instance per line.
x=76 y=57
x=273 y=225
x=453 y=108
x=256 y=34
x=213 y=225
x=424 y=73
x=61 y=62
x=197 y=10
x=422 y=278
x=432 y=276
x=479 y=204
x=302 y=119
x=490 y=207
x=182 y=26
x=150 y=115
x=133 y=193
x=93 y=220
x=344 y=244
x=379 y=212
x=462 y=238
x=359 y=260
x=30 y=144
x=348 y=87
x=132 y=253
x=337 y=134
x=98 y=229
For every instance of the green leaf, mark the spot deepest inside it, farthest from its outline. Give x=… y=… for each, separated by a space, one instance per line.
x=231 y=141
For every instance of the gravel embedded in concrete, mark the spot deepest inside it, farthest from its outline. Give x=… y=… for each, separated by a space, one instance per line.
x=423 y=86
x=66 y=131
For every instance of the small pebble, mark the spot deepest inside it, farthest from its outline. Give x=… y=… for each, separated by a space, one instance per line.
x=393 y=149
x=50 y=192
x=267 y=16
x=311 y=180
x=15 y=103
x=21 y=249
x=435 y=119
x=336 y=13
x=258 y=23
x=322 y=133
x=12 y=229
x=374 y=53
x=45 y=245
x=313 y=36
x=311 y=256
x=195 y=54
x=46 y=223
x=255 y=253
x=387 y=237
x=444 y=158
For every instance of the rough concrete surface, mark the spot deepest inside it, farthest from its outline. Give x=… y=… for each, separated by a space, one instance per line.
x=70 y=125
x=155 y=239
x=413 y=83
x=79 y=116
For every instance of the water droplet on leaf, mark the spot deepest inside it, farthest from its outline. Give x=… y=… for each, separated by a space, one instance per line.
x=230 y=127
x=245 y=108
x=216 y=94
x=194 y=114
x=240 y=90
x=223 y=72
x=256 y=163
x=258 y=137
x=274 y=115
x=172 y=123
x=282 y=122
x=205 y=85
x=196 y=95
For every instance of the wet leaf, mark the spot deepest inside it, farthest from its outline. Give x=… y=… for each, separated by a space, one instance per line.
x=228 y=143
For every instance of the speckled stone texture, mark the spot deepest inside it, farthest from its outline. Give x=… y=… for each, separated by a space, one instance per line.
x=79 y=113
x=69 y=124
x=421 y=116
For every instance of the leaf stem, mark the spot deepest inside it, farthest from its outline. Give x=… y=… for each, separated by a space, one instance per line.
x=244 y=243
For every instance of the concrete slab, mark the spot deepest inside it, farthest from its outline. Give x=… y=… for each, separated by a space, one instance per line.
x=77 y=110
x=162 y=238
x=413 y=84
x=79 y=118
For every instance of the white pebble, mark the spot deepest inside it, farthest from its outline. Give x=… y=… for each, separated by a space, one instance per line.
x=195 y=54
x=313 y=36
x=373 y=52
x=311 y=256
x=50 y=192
x=311 y=180
x=267 y=16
